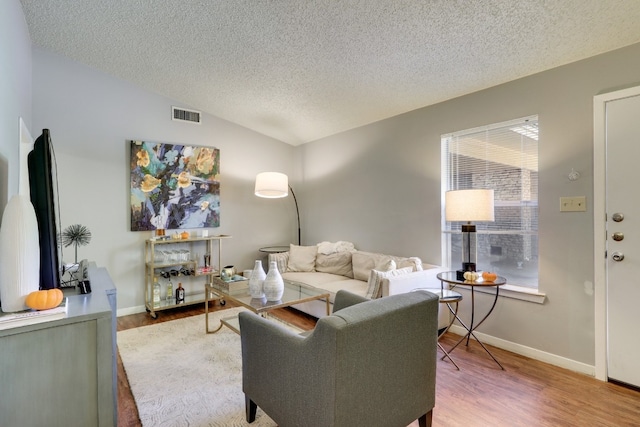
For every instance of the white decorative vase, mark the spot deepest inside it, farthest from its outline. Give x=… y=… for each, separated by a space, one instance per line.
x=273 y=284
x=256 y=279
x=19 y=253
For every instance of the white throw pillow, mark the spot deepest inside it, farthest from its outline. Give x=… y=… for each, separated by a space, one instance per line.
x=376 y=277
x=302 y=258
x=414 y=262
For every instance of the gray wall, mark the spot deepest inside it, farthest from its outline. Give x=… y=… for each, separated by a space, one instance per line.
x=379 y=187
x=91 y=116
x=15 y=93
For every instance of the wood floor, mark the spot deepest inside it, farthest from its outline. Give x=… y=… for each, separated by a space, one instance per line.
x=527 y=393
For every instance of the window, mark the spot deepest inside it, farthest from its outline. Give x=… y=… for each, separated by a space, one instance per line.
x=502 y=157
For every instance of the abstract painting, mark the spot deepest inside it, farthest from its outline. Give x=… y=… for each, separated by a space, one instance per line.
x=174 y=186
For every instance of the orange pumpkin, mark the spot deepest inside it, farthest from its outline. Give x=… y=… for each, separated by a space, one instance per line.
x=43 y=300
x=489 y=276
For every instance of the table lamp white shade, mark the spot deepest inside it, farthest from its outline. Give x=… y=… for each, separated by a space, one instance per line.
x=469 y=205
x=272 y=185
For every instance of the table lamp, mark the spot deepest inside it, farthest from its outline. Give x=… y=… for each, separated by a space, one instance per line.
x=468 y=205
x=274 y=185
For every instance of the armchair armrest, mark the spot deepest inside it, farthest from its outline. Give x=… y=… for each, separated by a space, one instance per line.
x=346 y=299
x=273 y=358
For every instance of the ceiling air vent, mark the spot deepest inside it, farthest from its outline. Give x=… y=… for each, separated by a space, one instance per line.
x=182 y=115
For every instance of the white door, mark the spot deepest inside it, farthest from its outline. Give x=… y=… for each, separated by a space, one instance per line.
x=623 y=239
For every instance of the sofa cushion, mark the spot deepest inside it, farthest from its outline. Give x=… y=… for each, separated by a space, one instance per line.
x=374 y=286
x=328 y=248
x=281 y=259
x=364 y=262
x=336 y=263
x=413 y=262
x=302 y=258
x=331 y=283
x=314 y=279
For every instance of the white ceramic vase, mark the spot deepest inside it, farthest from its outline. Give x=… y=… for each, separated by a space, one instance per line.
x=273 y=284
x=19 y=253
x=256 y=280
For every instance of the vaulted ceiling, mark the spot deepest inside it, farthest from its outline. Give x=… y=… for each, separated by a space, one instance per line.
x=301 y=70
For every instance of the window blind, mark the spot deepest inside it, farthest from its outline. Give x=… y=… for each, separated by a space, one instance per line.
x=502 y=157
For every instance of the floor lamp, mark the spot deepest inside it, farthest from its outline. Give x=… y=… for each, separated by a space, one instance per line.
x=274 y=185
x=469 y=205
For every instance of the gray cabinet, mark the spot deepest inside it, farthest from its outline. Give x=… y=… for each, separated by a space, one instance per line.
x=63 y=372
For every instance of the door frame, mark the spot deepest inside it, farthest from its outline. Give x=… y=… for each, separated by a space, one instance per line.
x=599 y=223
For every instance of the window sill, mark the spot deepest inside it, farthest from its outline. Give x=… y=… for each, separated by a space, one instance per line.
x=512 y=291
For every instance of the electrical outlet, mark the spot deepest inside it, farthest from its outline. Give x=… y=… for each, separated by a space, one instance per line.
x=573 y=204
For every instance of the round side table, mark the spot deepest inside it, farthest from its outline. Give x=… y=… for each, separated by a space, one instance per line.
x=274 y=249
x=450 y=277
x=448 y=297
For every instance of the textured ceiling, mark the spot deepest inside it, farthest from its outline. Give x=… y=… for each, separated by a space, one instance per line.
x=301 y=70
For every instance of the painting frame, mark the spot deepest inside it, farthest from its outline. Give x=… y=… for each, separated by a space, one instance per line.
x=173 y=186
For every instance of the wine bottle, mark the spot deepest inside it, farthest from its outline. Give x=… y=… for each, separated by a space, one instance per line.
x=169 y=291
x=156 y=292
x=179 y=293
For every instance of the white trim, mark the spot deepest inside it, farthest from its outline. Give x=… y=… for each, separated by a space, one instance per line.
x=530 y=352
x=512 y=291
x=599 y=224
x=130 y=310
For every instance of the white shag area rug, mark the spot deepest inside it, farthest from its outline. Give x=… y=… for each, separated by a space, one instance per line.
x=181 y=376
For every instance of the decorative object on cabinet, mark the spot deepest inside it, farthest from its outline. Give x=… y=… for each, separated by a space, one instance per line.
x=273 y=286
x=274 y=185
x=174 y=186
x=256 y=280
x=178 y=258
x=469 y=205
x=76 y=235
x=229 y=271
x=19 y=239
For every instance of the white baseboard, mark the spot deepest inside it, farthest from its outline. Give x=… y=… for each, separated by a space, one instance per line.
x=130 y=310
x=533 y=353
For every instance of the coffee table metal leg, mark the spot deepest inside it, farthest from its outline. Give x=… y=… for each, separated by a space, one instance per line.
x=206 y=313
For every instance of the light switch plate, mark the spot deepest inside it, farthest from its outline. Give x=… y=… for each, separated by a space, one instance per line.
x=573 y=204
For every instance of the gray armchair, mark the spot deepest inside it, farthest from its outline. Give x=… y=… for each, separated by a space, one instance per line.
x=371 y=363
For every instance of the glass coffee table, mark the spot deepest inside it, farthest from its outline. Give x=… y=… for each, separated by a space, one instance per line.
x=294 y=293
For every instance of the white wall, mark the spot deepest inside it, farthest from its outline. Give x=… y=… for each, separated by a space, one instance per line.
x=379 y=187
x=91 y=116
x=15 y=93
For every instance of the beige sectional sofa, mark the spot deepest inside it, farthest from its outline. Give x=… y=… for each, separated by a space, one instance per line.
x=335 y=266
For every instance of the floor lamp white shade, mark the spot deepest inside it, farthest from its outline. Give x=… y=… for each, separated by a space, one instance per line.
x=272 y=185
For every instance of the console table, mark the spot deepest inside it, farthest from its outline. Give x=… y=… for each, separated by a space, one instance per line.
x=450 y=278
